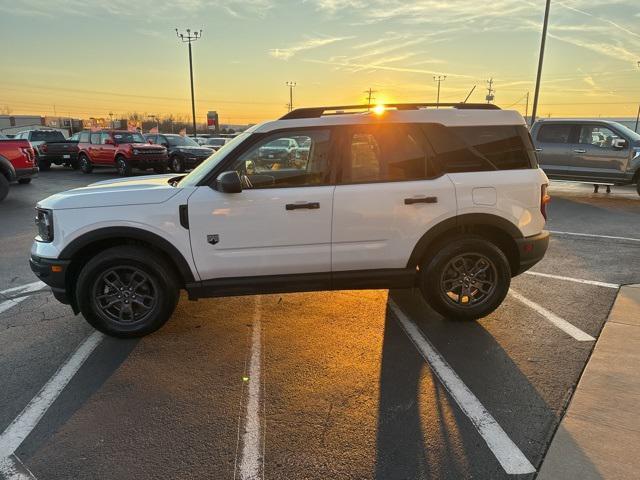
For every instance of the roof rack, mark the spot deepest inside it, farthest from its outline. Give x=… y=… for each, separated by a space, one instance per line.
x=315 y=112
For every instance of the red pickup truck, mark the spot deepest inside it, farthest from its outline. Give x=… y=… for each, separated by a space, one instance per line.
x=121 y=149
x=17 y=163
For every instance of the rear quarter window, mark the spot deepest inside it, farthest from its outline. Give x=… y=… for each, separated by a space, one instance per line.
x=483 y=148
x=554 y=134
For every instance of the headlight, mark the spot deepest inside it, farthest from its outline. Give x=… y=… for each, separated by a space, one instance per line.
x=44 y=221
x=135 y=151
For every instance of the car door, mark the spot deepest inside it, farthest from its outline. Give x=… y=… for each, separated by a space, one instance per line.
x=389 y=193
x=595 y=156
x=94 y=148
x=553 y=148
x=107 y=150
x=279 y=224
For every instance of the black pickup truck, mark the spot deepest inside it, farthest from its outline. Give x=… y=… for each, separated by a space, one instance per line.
x=60 y=152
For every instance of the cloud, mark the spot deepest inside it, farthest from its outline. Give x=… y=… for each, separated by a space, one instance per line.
x=375 y=66
x=288 y=52
x=615 y=51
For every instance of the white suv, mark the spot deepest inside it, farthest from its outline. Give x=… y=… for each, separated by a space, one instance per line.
x=448 y=200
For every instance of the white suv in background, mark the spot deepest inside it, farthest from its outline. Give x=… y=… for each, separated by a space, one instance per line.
x=447 y=200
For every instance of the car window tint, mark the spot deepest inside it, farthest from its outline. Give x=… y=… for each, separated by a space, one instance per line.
x=95 y=138
x=554 y=133
x=47 y=136
x=84 y=137
x=501 y=147
x=103 y=138
x=273 y=162
x=597 y=136
x=386 y=153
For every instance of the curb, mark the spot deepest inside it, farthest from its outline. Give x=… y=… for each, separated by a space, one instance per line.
x=599 y=435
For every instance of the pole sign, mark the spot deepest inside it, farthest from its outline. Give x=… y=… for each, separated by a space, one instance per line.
x=212 y=121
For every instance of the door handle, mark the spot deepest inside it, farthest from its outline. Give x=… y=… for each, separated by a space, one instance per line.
x=579 y=150
x=308 y=205
x=538 y=149
x=411 y=201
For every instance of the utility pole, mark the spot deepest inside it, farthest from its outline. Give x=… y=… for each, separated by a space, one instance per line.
x=638 y=115
x=490 y=91
x=370 y=97
x=290 y=85
x=540 y=59
x=439 y=79
x=189 y=38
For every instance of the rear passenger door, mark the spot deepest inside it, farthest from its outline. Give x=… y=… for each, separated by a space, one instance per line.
x=388 y=195
x=554 y=149
x=94 y=148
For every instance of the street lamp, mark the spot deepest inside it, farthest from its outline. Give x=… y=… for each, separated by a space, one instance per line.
x=540 y=58
x=290 y=85
x=189 y=38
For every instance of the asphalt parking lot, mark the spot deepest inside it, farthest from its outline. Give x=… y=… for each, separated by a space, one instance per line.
x=340 y=385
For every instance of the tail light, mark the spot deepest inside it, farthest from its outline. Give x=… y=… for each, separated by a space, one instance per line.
x=544 y=199
x=29 y=153
x=43 y=148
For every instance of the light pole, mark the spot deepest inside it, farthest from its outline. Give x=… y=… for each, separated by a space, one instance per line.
x=290 y=85
x=189 y=38
x=534 y=109
x=439 y=79
x=155 y=117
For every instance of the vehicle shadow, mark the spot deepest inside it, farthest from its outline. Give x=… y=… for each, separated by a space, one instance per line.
x=421 y=432
x=98 y=368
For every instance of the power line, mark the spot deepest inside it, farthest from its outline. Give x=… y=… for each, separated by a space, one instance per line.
x=291 y=86
x=490 y=91
x=439 y=79
x=369 y=96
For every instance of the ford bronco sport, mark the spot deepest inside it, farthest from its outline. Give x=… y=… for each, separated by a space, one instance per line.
x=450 y=201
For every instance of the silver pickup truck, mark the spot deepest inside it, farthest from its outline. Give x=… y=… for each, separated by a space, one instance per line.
x=590 y=151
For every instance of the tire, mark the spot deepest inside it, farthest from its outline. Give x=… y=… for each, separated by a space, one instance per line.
x=467 y=262
x=4 y=187
x=144 y=279
x=160 y=169
x=24 y=181
x=176 y=164
x=43 y=164
x=85 y=164
x=74 y=164
x=123 y=167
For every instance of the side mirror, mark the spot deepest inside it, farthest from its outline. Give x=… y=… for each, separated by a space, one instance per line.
x=229 y=182
x=619 y=143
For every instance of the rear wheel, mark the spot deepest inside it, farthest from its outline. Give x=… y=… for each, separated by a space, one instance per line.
x=467 y=279
x=160 y=169
x=4 y=187
x=123 y=167
x=85 y=164
x=127 y=291
x=24 y=181
x=74 y=164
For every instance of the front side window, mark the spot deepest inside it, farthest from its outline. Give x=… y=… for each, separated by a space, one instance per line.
x=554 y=133
x=386 y=153
x=103 y=138
x=274 y=162
x=598 y=136
x=95 y=138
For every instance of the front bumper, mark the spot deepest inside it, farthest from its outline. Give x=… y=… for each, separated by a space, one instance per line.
x=52 y=272
x=531 y=250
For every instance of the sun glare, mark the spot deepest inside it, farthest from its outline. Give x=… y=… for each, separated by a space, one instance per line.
x=378 y=109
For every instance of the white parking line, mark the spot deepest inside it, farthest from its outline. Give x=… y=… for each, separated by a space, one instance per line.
x=11 y=468
x=506 y=452
x=561 y=323
x=7 y=304
x=250 y=464
x=26 y=421
x=609 y=237
x=27 y=288
x=576 y=280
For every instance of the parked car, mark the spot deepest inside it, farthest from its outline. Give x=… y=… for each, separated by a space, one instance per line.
x=593 y=151
x=184 y=153
x=39 y=137
x=282 y=151
x=121 y=149
x=17 y=163
x=216 y=143
x=448 y=201
x=64 y=152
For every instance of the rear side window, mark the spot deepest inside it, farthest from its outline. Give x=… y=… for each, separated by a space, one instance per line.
x=386 y=153
x=480 y=149
x=84 y=137
x=554 y=133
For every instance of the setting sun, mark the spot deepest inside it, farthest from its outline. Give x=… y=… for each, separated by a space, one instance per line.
x=378 y=109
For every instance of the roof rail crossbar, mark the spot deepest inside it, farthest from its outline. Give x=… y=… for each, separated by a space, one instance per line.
x=315 y=112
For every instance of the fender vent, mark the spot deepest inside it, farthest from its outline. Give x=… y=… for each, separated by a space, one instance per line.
x=184 y=216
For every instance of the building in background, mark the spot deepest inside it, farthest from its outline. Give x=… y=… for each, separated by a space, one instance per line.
x=12 y=124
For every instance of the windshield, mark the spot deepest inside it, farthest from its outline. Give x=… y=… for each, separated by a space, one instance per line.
x=128 y=137
x=178 y=141
x=205 y=167
x=47 y=136
x=216 y=141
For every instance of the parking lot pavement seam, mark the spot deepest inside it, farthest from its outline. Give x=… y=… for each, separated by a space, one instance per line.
x=506 y=452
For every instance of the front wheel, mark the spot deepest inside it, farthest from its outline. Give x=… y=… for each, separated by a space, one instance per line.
x=24 y=181
x=123 y=167
x=467 y=279
x=176 y=164
x=127 y=291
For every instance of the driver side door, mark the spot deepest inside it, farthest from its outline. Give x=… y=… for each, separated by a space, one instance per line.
x=279 y=224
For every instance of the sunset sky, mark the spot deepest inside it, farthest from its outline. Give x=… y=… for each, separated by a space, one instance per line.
x=87 y=58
